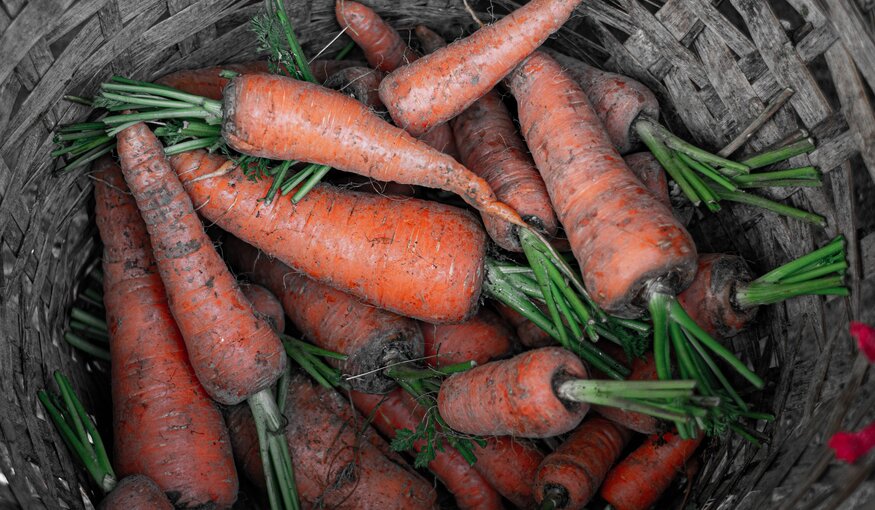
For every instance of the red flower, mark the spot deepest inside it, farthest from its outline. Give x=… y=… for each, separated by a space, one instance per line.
x=849 y=446
x=865 y=335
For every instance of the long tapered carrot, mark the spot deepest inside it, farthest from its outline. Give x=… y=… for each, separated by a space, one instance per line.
x=370 y=337
x=136 y=492
x=439 y=86
x=509 y=465
x=157 y=399
x=481 y=338
x=639 y=480
x=207 y=81
x=423 y=259
x=265 y=303
x=333 y=467
x=398 y=410
x=570 y=476
x=233 y=353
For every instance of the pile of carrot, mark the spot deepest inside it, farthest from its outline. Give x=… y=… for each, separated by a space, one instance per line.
x=399 y=347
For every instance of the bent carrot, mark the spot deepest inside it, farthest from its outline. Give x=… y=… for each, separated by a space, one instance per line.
x=509 y=465
x=333 y=468
x=383 y=47
x=479 y=339
x=370 y=337
x=439 y=86
x=234 y=354
x=425 y=259
x=639 y=480
x=398 y=410
x=136 y=492
x=266 y=304
x=157 y=399
x=570 y=476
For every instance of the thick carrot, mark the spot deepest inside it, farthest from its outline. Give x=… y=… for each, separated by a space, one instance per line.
x=136 y=492
x=423 y=259
x=371 y=338
x=570 y=476
x=234 y=354
x=528 y=333
x=383 y=47
x=206 y=81
x=710 y=299
x=618 y=100
x=514 y=397
x=481 y=338
x=625 y=240
x=360 y=83
x=333 y=467
x=265 y=304
x=639 y=480
x=439 y=86
x=509 y=465
x=643 y=369
x=648 y=170
x=398 y=410
x=157 y=399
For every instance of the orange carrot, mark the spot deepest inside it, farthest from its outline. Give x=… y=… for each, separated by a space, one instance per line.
x=360 y=83
x=333 y=468
x=618 y=100
x=398 y=410
x=233 y=353
x=439 y=86
x=711 y=298
x=371 y=338
x=514 y=396
x=623 y=237
x=430 y=40
x=136 y=492
x=265 y=304
x=157 y=399
x=643 y=369
x=639 y=480
x=570 y=476
x=206 y=81
x=383 y=47
x=481 y=338
x=424 y=260
x=648 y=170
x=509 y=465
x=529 y=334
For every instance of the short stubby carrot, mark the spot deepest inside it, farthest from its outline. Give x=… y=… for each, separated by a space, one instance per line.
x=207 y=81
x=398 y=410
x=710 y=299
x=639 y=480
x=527 y=332
x=571 y=475
x=514 y=397
x=439 y=86
x=371 y=338
x=490 y=146
x=281 y=118
x=136 y=492
x=618 y=100
x=234 y=353
x=482 y=338
x=265 y=303
x=157 y=399
x=360 y=83
x=509 y=465
x=416 y=258
x=333 y=467
x=382 y=45
x=648 y=170
x=623 y=237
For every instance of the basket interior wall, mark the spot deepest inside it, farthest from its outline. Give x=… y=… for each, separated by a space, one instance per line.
x=715 y=66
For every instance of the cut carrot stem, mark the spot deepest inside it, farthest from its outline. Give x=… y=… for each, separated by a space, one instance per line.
x=86 y=346
x=767 y=294
x=659 y=315
x=764 y=203
x=292 y=40
x=781 y=154
x=834 y=247
x=667 y=160
x=278 y=459
x=317 y=175
x=805 y=172
x=708 y=171
x=677 y=144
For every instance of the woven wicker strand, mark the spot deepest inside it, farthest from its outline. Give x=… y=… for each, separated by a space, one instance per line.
x=715 y=64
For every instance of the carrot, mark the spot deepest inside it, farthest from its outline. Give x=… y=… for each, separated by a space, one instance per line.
x=545 y=392
x=333 y=468
x=157 y=398
x=136 y=492
x=434 y=283
x=509 y=465
x=398 y=410
x=207 y=81
x=570 y=476
x=648 y=170
x=724 y=297
x=383 y=47
x=639 y=480
x=441 y=85
x=265 y=304
x=237 y=355
x=371 y=338
x=481 y=338
x=430 y=40
x=360 y=83
x=528 y=333
x=643 y=369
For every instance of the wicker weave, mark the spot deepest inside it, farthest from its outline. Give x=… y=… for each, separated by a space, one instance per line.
x=715 y=65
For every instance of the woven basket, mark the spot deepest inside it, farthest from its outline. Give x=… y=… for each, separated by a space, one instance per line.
x=715 y=65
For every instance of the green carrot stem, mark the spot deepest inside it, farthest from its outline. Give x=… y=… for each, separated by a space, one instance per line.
x=345 y=50
x=715 y=370
x=298 y=178
x=679 y=315
x=667 y=160
x=497 y=287
x=707 y=171
x=658 y=306
x=66 y=137
x=273 y=493
x=620 y=403
x=79 y=100
x=770 y=205
x=702 y=190
x=780 y=154
x=82 y=126
x=147 y=101
x=176 y=113
x=804 y=172
x=83 y=146
x=86 y=318
x=783 y=183
x=565 y=310
x=599 y=360
x=580 y=310
x=88 y=157
x=535 y=260
x=278 y=179
x=97 y=442
x=768 y=293
x=318 y=351
x=297 y=51
x=836 y=246
x=90 y=331
x=314 y=179
x=190 y=145
x=835 y=267
x=686 y=360
x=265 y=412
x=743 y=432
x=121 y=84
x=86 y=346
x=526 y=285
x=673 y=142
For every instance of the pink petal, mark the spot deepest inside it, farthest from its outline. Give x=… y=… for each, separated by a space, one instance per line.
x=865 y=336
x=849 y=446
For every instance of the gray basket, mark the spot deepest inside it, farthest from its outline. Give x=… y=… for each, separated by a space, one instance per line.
x=715 y=65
